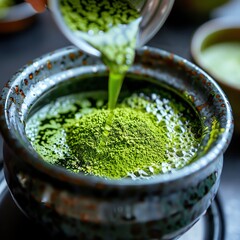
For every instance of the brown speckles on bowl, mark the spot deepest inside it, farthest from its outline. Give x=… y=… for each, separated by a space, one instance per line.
x=72 y=56
x=26 y=82
x=49 y=65
x=16 y=89
x=12 y=99
x=30 y=76
x=22 y=93
x=37 y=71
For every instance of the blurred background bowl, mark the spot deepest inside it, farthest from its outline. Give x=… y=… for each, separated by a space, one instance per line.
x=15 y=16
x=215 y=47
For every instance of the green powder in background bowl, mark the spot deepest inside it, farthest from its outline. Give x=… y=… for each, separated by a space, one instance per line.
x=148 y=133
x=6 y=3
x=4 y=7
x=222 y=60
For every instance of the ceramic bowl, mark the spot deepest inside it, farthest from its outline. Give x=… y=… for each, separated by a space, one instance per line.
x=78 y=206
x=209 y=35
x=16 y=18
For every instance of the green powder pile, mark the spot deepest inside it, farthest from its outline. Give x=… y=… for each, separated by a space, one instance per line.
x=134 y=143
x=146 y=134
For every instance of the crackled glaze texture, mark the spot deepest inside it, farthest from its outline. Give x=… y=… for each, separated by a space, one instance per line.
x=77 y=206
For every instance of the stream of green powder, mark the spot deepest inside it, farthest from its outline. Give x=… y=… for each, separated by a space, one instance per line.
x=110 y=27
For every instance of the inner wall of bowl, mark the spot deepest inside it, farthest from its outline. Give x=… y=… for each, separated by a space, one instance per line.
x=224 y=35
x=86 y=79
x=66 y=70
x=92 y=79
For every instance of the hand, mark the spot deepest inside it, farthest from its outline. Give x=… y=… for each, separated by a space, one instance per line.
x=38 y=5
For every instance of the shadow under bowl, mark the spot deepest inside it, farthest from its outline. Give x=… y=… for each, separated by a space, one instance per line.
x=215 y=47
x=79 y=206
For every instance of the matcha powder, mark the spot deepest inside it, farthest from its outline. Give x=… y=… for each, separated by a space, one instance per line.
x=133 y=145
x=145 y=135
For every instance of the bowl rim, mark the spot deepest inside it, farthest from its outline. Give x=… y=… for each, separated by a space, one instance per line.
x=206 y=29
x=61 y=174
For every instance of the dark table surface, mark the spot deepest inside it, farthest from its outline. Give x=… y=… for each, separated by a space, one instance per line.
x=175 y=36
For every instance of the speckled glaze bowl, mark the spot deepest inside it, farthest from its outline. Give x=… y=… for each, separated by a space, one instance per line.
x=76 y=206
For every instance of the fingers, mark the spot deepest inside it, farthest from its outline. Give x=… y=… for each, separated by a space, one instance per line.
x=38 y=5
